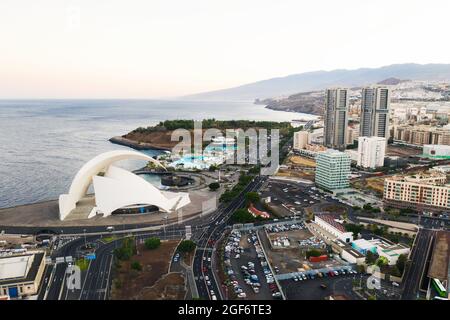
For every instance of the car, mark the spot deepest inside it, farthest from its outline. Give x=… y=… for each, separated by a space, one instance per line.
x=204 y=258
x=209 y=259
x=323 y=286
x=208 y=282
x=213 y=297
x=295 y=279
x=206 y=278
x=242 y=295
x=336 y=273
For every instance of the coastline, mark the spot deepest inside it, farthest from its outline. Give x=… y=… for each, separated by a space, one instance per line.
x=136 y=145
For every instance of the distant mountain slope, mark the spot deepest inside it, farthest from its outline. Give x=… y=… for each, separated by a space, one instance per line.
x=319 y=80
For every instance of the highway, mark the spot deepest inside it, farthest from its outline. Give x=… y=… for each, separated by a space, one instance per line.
x=204 y=264
x=415 y=269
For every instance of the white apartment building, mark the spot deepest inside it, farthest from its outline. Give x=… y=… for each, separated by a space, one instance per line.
x=371 y=152
x=419 y=192
x=300 y=140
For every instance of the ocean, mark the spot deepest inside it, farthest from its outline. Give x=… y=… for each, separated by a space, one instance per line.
x=43 y=143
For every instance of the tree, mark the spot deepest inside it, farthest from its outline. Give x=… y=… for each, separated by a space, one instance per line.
x=401 y=262
x=152 y=243
x=213 y=186
x=242 y=216
x=186 y=246
x=213 y=168
x=126 y=251
x=382 y=261
x=371 y=257
x=313 y=253
x=252 y=197
x=136 y=265
x=355 y=228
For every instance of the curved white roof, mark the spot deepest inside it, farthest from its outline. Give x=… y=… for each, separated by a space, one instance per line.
x=116 y=188
x=120 y=188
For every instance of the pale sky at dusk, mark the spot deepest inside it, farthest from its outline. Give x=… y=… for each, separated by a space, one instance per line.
x=152 y=48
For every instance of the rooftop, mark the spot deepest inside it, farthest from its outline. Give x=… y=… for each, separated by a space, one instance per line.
x=33 y=264
x=331 y=220
x=15 y=266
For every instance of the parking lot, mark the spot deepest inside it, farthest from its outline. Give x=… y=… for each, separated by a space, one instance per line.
x=342 y=285
x=290 y=198
x=292 y=258
x=247 y=268
x=320 y=288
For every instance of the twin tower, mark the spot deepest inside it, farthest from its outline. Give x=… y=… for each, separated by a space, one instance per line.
x=374 y=121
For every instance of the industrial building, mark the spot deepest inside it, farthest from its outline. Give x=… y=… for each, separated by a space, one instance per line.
x=328 y=222
x=21 y=275
x=436 y=151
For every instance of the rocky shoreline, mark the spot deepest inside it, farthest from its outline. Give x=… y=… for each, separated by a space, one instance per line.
x=136 y=145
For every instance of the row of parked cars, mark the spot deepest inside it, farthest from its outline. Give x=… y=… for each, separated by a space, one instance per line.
x=332 y=273
x=274 y=228
x=233 y=250
x=265 y=266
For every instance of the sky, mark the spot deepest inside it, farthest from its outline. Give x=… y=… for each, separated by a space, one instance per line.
x=168 y=48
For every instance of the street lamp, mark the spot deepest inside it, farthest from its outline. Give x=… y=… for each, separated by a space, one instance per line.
x=84 y=233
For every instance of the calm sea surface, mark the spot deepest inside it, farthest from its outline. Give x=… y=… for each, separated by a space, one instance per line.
x=44 y=143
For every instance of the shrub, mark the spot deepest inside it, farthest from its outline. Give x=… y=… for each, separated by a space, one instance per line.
x=152 y=243
x=213 y=186
x=136 y=265
x=187 y=246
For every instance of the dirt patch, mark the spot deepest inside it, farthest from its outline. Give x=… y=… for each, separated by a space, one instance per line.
x=402 y=151
x=375 y=183
x=307 y=175
x=301 y=161
x=170 y=287
x=130 y=284
x=440 y=257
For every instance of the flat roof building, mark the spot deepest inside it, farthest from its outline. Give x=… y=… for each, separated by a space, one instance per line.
x=333 y=170
x=21 y=275
x=419 y=192
x=329 y=223
x=371 y=152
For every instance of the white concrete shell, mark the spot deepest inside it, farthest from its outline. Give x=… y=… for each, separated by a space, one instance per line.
x=114 y=181
x=120 y=188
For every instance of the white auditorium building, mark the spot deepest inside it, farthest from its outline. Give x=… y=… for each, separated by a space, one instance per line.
x=118 y=190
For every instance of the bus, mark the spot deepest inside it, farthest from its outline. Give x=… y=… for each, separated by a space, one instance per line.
x=437 y=285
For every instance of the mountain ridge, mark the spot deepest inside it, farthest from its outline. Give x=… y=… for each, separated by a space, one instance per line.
x=321 y=79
